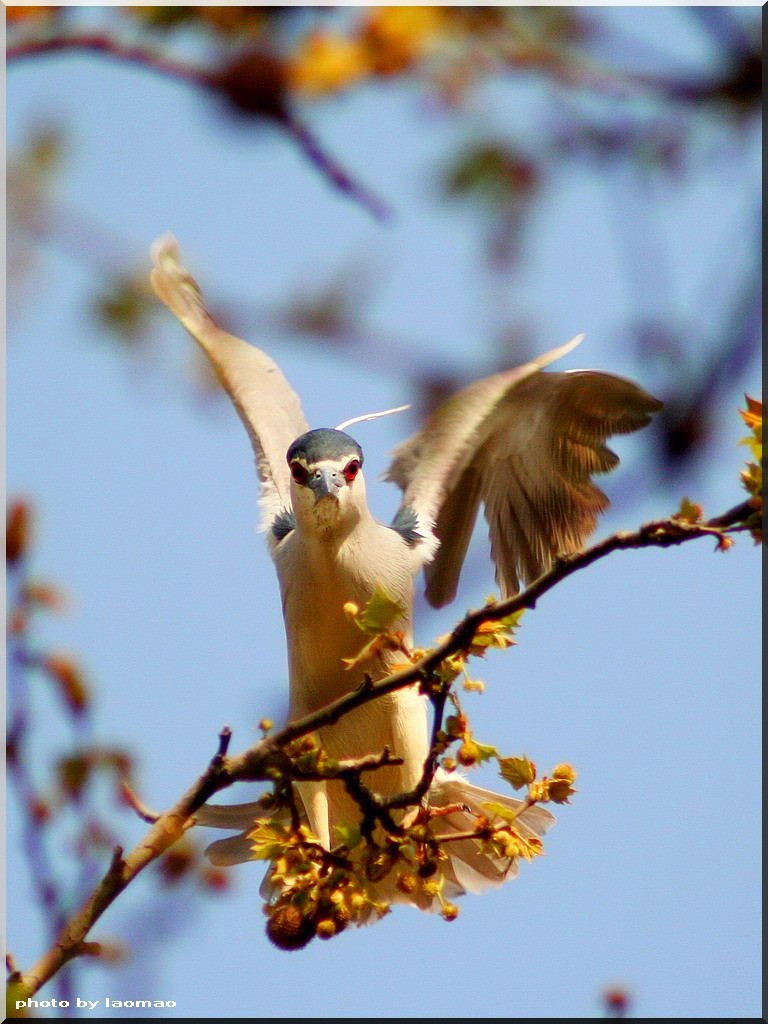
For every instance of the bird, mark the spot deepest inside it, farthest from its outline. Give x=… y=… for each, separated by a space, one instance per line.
x=522 y=444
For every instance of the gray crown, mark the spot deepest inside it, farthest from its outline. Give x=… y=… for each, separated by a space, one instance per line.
x=324 y=443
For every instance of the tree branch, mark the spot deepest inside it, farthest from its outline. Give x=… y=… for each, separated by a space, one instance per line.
x=105 y=46
x=280 y=113
x=267 y=758
x=420 y=790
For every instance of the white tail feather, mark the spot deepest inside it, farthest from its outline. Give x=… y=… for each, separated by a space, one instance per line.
x=469 y=869
x=473 y=869
x=234 y=816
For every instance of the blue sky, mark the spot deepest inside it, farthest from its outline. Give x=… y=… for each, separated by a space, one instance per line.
x=641 y=671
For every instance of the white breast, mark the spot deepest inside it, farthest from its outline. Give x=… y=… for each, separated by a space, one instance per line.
x=317 y=578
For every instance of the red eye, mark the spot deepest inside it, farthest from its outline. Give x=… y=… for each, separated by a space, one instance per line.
x=351 y=470
x=299 y=473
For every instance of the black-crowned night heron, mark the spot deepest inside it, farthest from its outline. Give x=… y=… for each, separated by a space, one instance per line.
x=522 y=443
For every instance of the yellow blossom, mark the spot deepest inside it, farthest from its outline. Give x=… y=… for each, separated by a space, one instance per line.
x=327 y=62
x=398 y=36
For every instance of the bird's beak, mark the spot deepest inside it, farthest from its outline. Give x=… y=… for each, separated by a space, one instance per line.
x=326 y=483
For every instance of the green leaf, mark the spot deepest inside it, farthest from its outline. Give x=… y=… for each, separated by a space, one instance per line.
x=497 y=633
x=380 y=613
x=689 y=512
x=512 y=621
x=348 y=835
x=268 y=839
x=493 y=174
x=500 y=811
x=517 y=771
x=485 y=752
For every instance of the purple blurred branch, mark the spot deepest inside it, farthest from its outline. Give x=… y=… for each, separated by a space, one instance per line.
x=252 y=85
x=43 y=877
x=104 y=45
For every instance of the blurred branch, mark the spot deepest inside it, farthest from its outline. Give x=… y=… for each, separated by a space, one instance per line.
x=35 y=811
x=685 y=420
x=61 y=874
x=104 y=45
x=329 y=313
x=724 y=29
x=11 y=969
x=253 y=84
x=268 y=760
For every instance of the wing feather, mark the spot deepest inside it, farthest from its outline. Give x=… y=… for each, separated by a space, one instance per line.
x=429 y=463
x=553 y=505
x=453 y=529
x=268 y=407
x=526 y=444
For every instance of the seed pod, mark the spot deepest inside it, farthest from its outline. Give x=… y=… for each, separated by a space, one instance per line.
x=289 y=929
x=341 y=917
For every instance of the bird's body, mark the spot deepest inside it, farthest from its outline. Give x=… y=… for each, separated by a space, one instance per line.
x=308 y=566
x=313 y=562
x=522 y=444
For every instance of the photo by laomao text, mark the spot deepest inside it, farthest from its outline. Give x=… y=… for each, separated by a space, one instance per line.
x=93 y=1004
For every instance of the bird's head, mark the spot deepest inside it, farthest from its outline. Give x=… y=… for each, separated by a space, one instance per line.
x=327 y=485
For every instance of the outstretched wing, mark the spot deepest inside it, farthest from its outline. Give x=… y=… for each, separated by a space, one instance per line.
x=265 y=402
x=524 y=444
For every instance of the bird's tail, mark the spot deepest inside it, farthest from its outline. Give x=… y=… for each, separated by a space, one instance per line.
x=471 y=868
x=231 y=850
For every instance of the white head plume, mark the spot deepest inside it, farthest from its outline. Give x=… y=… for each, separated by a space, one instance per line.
x=371 y=416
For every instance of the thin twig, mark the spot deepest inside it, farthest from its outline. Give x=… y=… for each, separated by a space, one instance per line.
x=137 y=805
x=286 y=792
x=225 y=738
x=13 y=971
x=369 y=763
x=332 y=170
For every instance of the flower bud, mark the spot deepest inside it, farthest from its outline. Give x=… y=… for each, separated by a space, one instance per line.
x=326 y=929
x=466 y=755
x=407 y=883
x=449 y=912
